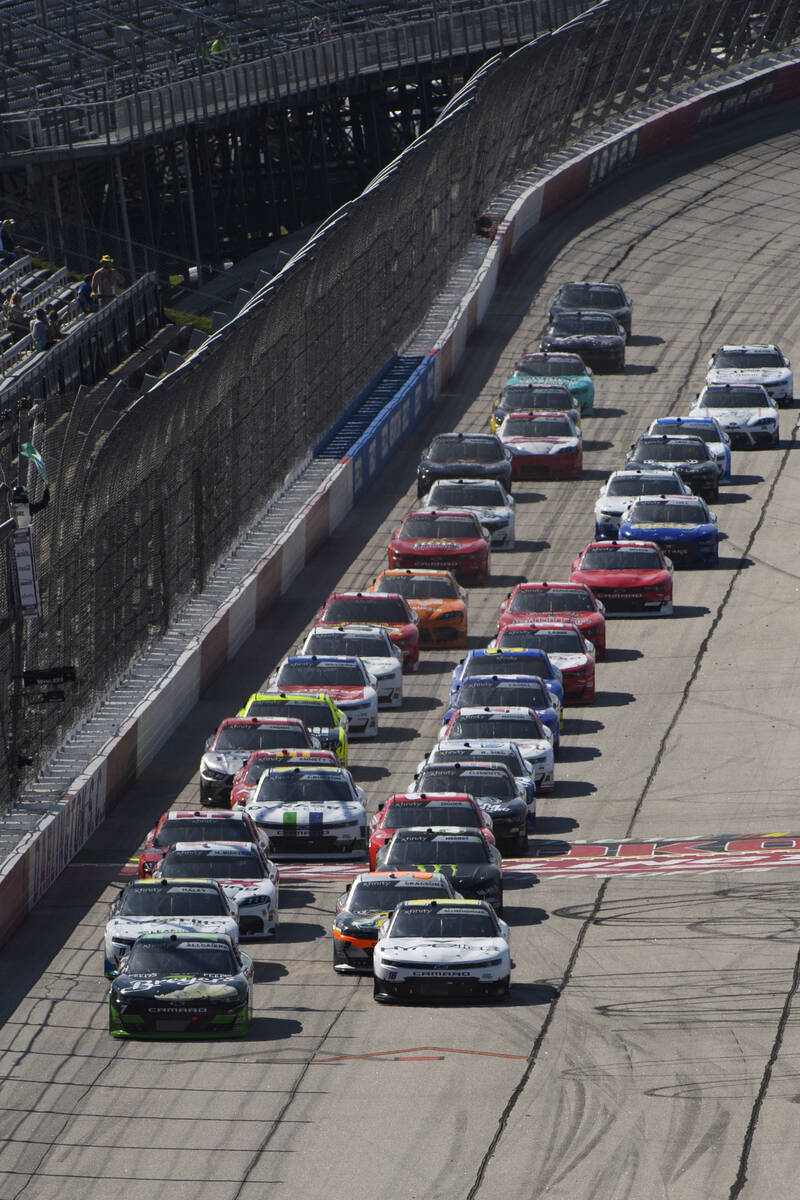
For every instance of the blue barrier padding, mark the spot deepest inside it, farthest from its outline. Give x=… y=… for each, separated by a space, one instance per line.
x=395 y=421
x=367 y=406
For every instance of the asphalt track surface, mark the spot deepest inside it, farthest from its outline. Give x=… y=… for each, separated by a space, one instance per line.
x=649 y=1048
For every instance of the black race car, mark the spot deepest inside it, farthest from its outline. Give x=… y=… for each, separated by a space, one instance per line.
x=605 y=297
x=496 y=791
x=181 y=985
x=596 y=336
x=460 y=455
x=471 y=864
x=689 y=457
x=372 y=897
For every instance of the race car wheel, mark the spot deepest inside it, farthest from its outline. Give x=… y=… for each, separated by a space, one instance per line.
x=499 y=909
x=377 y=994
x=522 y=839
x=504 y=988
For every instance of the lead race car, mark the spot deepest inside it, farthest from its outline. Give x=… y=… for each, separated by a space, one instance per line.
x=442 y=948
x=311 y=812
x=181 y=985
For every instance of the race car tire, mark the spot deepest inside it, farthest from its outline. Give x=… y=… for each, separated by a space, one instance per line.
x=522 y=839
x=504 y=988
x=378 y=995
x=499 y=909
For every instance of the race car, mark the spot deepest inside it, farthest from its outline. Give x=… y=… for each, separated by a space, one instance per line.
x=311 y=812
x=166 y=906
x=372 y=644
x=507 y=662
x=602 y=297
x=473 y=866
x=764 y=365
x=370 y=901
x=596 y=336
x=564 y=645
x=681 y=526
x=461 y=455
x=568 y=369
x=182 y=825
x=543 y=444
x=524 y=395
x=688 y=457
x=324 y=720
x=746 y=412
x=516 y=691
x=247 y=777
x=175 y=985
x=707 y=428
x=492 y=786
x=487 y=499
x=342 y=677
x=437 y=600
x=487 y=750
x=366 y=608
x=445 y=807
x=449 y=540
x=247 y=877
x=442 y=948
x=519 y=725
x=622 y=487
x=631 y=578
x=230 y=747
x=573 y=600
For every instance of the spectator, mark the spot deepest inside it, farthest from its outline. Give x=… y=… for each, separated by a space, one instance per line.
x=316 y=30
x=87 y=302
x=53 y=316
x=17 y=322
x=9 y=240
x=40 y=330
x=7 y=254
x=219 y=47
x=106 y=281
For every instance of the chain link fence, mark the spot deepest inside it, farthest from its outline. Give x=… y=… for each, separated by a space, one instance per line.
x=148 y=499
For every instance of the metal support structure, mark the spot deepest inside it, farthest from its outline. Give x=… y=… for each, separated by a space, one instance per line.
x=123 y=209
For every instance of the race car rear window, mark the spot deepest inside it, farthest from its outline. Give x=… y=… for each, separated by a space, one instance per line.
x=420 y=588
x=437 y=850
x=363 y=609
x=454 y=754
x=532 y=694
x=747 y=360
x=487 y=725
x=637 y=485
x=160 y=959
x=289 y=788
x=573 y=323
x=507 y=664
x=477 y=783
x=551 y=368
x=677 y=450
x=453 y=449
x=321 y=675
x=592 y=295
x=457 y=494
x=554 y=426
x=537 y=395
x=195 y=829
x=556 y=641
x=551 y=600
x=427 y=812
x=359 y=644
x=621 y=559
x=653 y=512
x=440 y=527
x=733 y=397
x=211 y=866
x=310 y=713
x=449 y=923
x=380 y=896
x=254 y=737
x=171 y=902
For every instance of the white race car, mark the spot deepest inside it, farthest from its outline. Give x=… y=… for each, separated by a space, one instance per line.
x=166 y=906
x=247 y=876
x=442 y=948
x=745 y=411
x=764 y=365
x=370 y=643
x=486 y=498
x=519 y=725
x=345 y=679
x=311 y=812
x=622 y=487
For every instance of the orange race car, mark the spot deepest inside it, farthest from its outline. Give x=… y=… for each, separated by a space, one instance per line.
x=436 y=598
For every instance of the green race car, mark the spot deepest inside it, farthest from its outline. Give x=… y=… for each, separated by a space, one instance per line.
x=174 y=985
x=551 y=367
x=326 y=723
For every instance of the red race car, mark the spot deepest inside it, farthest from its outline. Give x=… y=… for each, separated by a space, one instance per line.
x=543 y=445
x=369 y=608
x=247 y=777
x=448 y=540
x=565 y=646
x=178 y=825
x=428 y=810
x=631 y=578
x=572 y=600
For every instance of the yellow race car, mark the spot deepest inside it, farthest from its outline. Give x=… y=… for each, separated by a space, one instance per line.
x=326 y=723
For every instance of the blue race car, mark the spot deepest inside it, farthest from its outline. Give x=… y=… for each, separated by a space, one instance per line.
x=707 y=428
x=681 y=526
x=507 y=662
x=528 y=691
